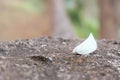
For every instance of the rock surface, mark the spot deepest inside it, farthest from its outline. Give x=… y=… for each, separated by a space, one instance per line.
x=49 y=58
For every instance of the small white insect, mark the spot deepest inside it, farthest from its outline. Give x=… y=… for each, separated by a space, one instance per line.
x=86 y=47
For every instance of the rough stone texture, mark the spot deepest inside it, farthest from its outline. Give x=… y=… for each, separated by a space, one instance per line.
x=51 y=59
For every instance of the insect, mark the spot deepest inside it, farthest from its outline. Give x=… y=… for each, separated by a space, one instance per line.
x=86 y=47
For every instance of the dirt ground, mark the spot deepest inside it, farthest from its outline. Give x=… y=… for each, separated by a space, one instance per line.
x=49 y=58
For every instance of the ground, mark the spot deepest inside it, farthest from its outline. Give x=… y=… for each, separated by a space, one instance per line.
x=50 y=58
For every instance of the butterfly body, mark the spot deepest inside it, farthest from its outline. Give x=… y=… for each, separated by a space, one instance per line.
x=87 y=46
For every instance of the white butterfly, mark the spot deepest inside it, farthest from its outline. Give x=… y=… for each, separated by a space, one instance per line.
x=86 y=47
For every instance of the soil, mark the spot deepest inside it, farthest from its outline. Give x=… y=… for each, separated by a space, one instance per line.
x=50 y=58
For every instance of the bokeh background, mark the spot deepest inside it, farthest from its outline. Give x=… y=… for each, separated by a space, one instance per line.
x=25 y=19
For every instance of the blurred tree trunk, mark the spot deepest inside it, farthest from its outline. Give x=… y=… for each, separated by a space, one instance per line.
x=61 y=23
x=118 y=17
x=108 y=26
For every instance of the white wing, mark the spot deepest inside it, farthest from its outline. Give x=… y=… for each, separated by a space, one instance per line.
x=86 y=47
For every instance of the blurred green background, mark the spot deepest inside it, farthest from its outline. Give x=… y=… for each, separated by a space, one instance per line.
x=84 y=16
x=21 y=19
